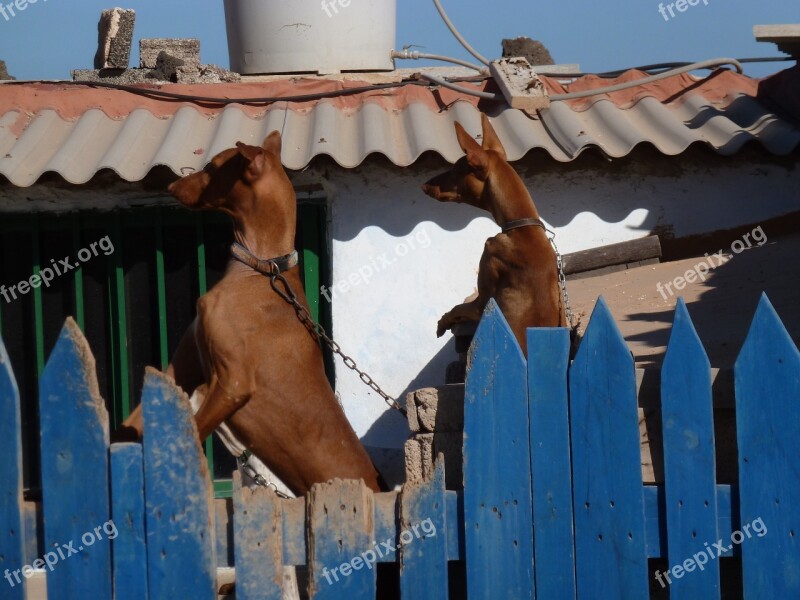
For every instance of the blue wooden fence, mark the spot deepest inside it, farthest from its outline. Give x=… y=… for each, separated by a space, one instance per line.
x=553 y=504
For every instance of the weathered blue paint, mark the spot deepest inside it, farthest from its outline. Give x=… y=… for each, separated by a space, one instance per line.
x=258 y=552
x=607 y=476
x=74 y=436
x=341 y=534
x=689 y=465
x=768 y=425
x=548 y=359
x=180 y=534
x=423 y=566
x=127 y=512
x=12 y=536
x=497 y=479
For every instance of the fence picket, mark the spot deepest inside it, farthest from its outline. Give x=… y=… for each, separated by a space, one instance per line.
x=258 y=551
x=12 y=542
x=497 y=479
x=689 y=465
x=607 y=478
x=127 y=511
x=180 y=531
x=74 y=439
x=548 y=359
x=768 y=430
x=423 y=564
x=341 y=528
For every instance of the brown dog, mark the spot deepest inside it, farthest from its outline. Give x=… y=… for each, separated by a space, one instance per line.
x=518 y=266
x=263 y=370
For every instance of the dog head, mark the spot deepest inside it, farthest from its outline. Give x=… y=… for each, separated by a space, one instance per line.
x=235 y=178
x=467 y=179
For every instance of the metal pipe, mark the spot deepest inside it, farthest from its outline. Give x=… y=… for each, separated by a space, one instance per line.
x=406 y=54
x=458 y=36
x=462 y=90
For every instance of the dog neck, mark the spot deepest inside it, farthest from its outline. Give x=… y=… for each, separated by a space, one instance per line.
x=266 y=236
x=508 y=198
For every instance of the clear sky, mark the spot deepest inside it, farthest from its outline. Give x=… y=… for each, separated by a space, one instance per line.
x=50 y=37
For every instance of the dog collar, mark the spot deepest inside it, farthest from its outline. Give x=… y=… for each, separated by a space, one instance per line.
x=517 y=223
x=265 y=266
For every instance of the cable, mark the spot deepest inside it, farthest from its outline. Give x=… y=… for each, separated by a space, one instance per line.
x=660 y=67
x=462 y=90
x=672 y=72
x=457 y=35
x=407 y=54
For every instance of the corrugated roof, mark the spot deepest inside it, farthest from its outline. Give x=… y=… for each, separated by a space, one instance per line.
x=76 y=131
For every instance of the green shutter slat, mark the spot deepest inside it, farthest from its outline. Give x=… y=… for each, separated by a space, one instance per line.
x=38 y=313
x=162 y=290
x=76 y=246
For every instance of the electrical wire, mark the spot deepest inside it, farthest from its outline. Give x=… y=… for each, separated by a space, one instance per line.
x=451 y=86
x=407 y=54
x=458 y=36
x=661 y=67
x=629 y=84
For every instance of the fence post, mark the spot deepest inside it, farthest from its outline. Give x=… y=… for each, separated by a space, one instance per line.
x=497 y=474
x=75 y=487
x=548 y=360
x=12 y=540
x=606 y=466
x=767 y=377
x=689 y=473
x=180 y=530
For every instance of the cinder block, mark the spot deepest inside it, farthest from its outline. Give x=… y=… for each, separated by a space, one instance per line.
x=418 y=451
x=114 y=38
x=438 y=409
x=421 y=450
x=187 y=50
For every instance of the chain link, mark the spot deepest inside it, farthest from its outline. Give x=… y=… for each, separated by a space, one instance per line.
x=562 y=279
x=288 y=294
x=257 y=478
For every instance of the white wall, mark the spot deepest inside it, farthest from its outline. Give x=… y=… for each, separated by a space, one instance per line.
x=387 y=320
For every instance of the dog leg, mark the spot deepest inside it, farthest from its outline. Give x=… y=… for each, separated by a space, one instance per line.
x=218 y=406
x=469 y=311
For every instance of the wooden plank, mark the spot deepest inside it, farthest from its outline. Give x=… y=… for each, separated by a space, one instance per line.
x=178 y=499
x=127 y=511
x=767 y=374
x=497 y=478
x=258 y=548
x=689 y=465
x=554 y=553
x=423 y=539
x=340 y=535
x=75 y=488
x=612 y=254
x=607 y=476
x=12 y=541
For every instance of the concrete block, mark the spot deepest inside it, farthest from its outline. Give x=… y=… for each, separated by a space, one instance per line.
x=187 y=50
x=436 y=409
x=418 y=451
x=114 y=38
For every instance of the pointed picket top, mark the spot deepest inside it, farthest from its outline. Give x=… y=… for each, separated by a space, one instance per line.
x=684 y=339
x=608 y=506
x=73 y=424
x=602 y=332
x=12 y=542
x=689 y=463
x=178 y=496
x=493 y=335
x=768 y=427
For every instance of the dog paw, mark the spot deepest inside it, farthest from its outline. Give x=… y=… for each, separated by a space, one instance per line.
x=444 y=324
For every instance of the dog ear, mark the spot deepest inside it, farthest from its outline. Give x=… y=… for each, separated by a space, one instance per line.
x=272 y=143
x=255 y=158
x=490 y=139
x=476 y=157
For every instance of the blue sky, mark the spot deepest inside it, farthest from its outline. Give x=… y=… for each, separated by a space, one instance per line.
x=50 y=37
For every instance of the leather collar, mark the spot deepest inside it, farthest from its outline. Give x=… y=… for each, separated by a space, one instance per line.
x=265 y=266
x=517 y=223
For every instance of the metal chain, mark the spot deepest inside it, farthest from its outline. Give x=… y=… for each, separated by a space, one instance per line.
x=257 y=478
x=308 y=322
x=562 y=279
